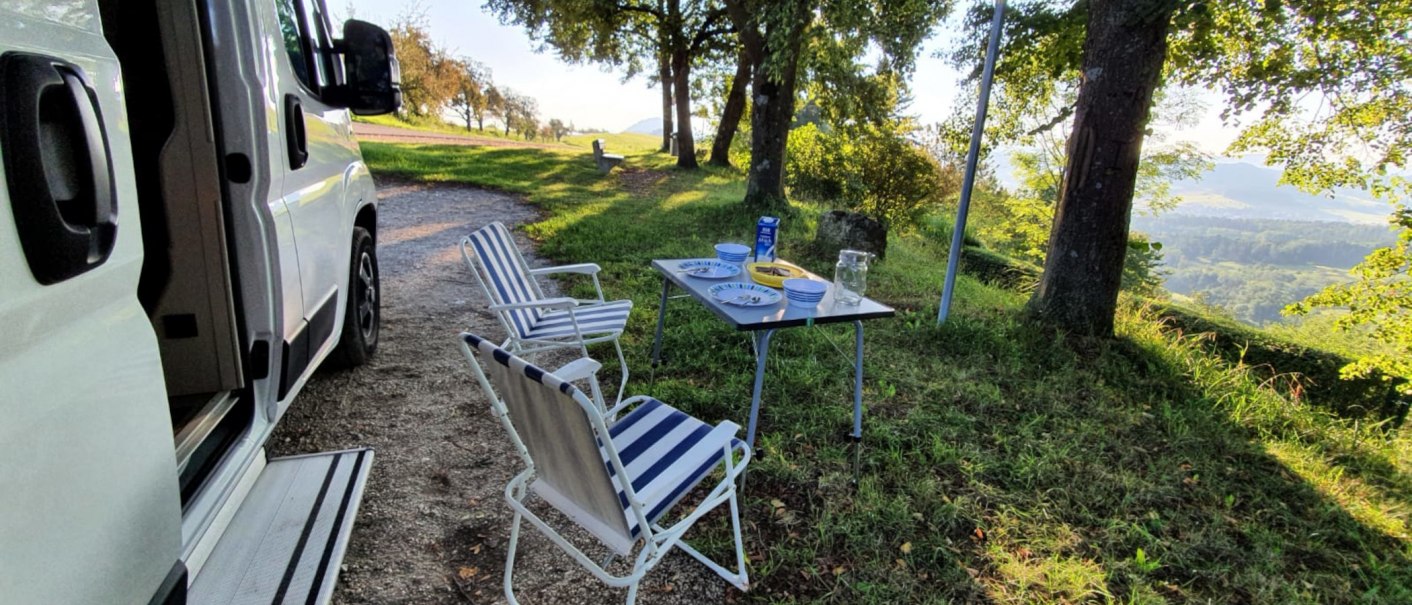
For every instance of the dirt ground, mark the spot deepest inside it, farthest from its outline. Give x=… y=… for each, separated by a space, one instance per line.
x=433 y=526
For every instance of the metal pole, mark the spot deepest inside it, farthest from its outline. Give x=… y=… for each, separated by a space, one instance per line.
x=972 y=157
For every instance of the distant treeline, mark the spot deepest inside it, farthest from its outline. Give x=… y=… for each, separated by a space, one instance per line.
x=1270 y=242
x=1253 y=268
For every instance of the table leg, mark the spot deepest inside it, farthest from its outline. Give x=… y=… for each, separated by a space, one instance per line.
x=858 y=380
x=857 y=399
x=762 y=351
x=657 y=339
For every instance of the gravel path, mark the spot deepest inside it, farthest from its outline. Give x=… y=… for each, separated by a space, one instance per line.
x=433 y=526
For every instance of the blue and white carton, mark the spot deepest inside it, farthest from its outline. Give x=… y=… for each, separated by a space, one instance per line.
x=765 y=238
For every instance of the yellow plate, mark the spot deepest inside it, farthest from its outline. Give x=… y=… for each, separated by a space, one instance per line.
x=771 y=280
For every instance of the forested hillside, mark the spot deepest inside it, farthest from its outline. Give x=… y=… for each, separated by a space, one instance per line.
x=1254 y=268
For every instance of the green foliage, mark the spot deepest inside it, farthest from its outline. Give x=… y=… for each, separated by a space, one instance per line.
x=1001 y=462
x=867 y=170
x=1142 y=268
x=1380 y=298
x=430 y=76
x=1015 y=225
x=1254 y=268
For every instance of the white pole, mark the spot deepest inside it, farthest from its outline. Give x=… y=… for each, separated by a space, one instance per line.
x=972 y=157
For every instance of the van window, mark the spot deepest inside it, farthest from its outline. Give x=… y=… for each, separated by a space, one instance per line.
x=293 y=39
x=317 y=25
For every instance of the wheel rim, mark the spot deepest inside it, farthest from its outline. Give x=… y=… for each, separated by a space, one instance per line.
x=367 y=297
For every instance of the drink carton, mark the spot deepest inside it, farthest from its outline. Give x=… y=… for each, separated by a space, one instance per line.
x=765 y=238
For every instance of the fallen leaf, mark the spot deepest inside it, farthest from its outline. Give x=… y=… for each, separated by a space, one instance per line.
x=838 y=571
x=467 y=573
x=906 y=548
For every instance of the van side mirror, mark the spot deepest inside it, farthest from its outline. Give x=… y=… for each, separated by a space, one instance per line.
x=373 y=78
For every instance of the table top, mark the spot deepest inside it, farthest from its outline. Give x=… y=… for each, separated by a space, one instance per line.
x=779 y=315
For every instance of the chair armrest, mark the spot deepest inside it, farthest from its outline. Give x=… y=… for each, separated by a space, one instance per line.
x=581 y=268
x=547 y=303
x=622 y=405
x=577 y=369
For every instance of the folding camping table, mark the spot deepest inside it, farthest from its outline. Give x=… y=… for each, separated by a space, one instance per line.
x=762 y=323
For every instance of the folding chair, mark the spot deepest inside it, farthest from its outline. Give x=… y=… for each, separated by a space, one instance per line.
x=535 y=323
x=577 y=463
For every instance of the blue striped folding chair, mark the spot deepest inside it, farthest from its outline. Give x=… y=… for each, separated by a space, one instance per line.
x=537 y=323
x=616 y=481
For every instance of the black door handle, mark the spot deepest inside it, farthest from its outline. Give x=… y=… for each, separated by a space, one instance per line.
x=57 y=165
x=294 y=132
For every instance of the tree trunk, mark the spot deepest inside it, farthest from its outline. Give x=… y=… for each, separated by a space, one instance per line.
x=664 y=75
x=686 y=141
x=771 y=113
x=731 y=113
x=480 y=123
x=1124 y=50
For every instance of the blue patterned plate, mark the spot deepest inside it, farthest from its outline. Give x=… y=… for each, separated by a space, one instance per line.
x=707 y=268
x=744 y=294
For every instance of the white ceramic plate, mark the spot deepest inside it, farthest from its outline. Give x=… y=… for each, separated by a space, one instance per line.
x=708 y=269
x=744 y=295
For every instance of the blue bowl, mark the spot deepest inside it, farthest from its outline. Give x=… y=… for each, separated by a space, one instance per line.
x=732 y=253
x=804 y=292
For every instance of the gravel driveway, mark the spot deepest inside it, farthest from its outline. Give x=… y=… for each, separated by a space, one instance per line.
x=433 y=526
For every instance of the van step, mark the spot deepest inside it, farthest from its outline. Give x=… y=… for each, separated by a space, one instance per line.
x=287 y=540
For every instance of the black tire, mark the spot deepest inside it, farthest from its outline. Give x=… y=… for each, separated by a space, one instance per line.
x=363 y=315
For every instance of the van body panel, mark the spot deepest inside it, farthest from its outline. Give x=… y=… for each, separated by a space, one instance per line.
x=93 y=507
x=86 y=454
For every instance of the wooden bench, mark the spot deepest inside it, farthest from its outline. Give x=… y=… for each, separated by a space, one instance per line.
x=606 y=161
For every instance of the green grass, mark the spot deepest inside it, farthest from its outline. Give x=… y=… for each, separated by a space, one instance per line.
x=1003 y=462
x=434 y=124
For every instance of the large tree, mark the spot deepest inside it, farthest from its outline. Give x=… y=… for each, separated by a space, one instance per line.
x=732 y=110
x=430 y=76
x=1124 y=50
x=785 y=38
x=471 y=100
x=1323 y=87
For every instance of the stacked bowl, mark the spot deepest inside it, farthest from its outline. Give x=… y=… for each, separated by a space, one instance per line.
x=732 y=253
x=804 y=292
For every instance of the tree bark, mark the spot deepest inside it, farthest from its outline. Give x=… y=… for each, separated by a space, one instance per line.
x=1124 y=50
x=664 y=75
x=681 y=77
x=771 y=98
x=771 y=113
x=731 y=113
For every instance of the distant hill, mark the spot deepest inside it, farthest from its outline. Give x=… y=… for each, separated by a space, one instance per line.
x=1239 y=189
x=652 y=126
x=1245 y=190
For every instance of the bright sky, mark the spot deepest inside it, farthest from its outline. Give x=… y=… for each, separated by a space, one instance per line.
x=591 y=97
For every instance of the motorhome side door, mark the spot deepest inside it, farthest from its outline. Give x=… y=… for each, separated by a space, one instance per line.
x=89 y=505
x=319 y=154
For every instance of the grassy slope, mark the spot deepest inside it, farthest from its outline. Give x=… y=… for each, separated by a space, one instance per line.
x=1003 y=463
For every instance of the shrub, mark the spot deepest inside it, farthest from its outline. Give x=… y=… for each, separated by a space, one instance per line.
x=870 y=171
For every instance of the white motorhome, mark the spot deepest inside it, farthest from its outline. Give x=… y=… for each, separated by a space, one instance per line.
x=187 y=230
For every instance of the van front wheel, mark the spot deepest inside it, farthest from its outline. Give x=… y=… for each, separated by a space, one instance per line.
x=363 y=314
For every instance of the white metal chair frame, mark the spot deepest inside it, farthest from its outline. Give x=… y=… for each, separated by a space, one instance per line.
x=657 y=541
x=526 y=346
